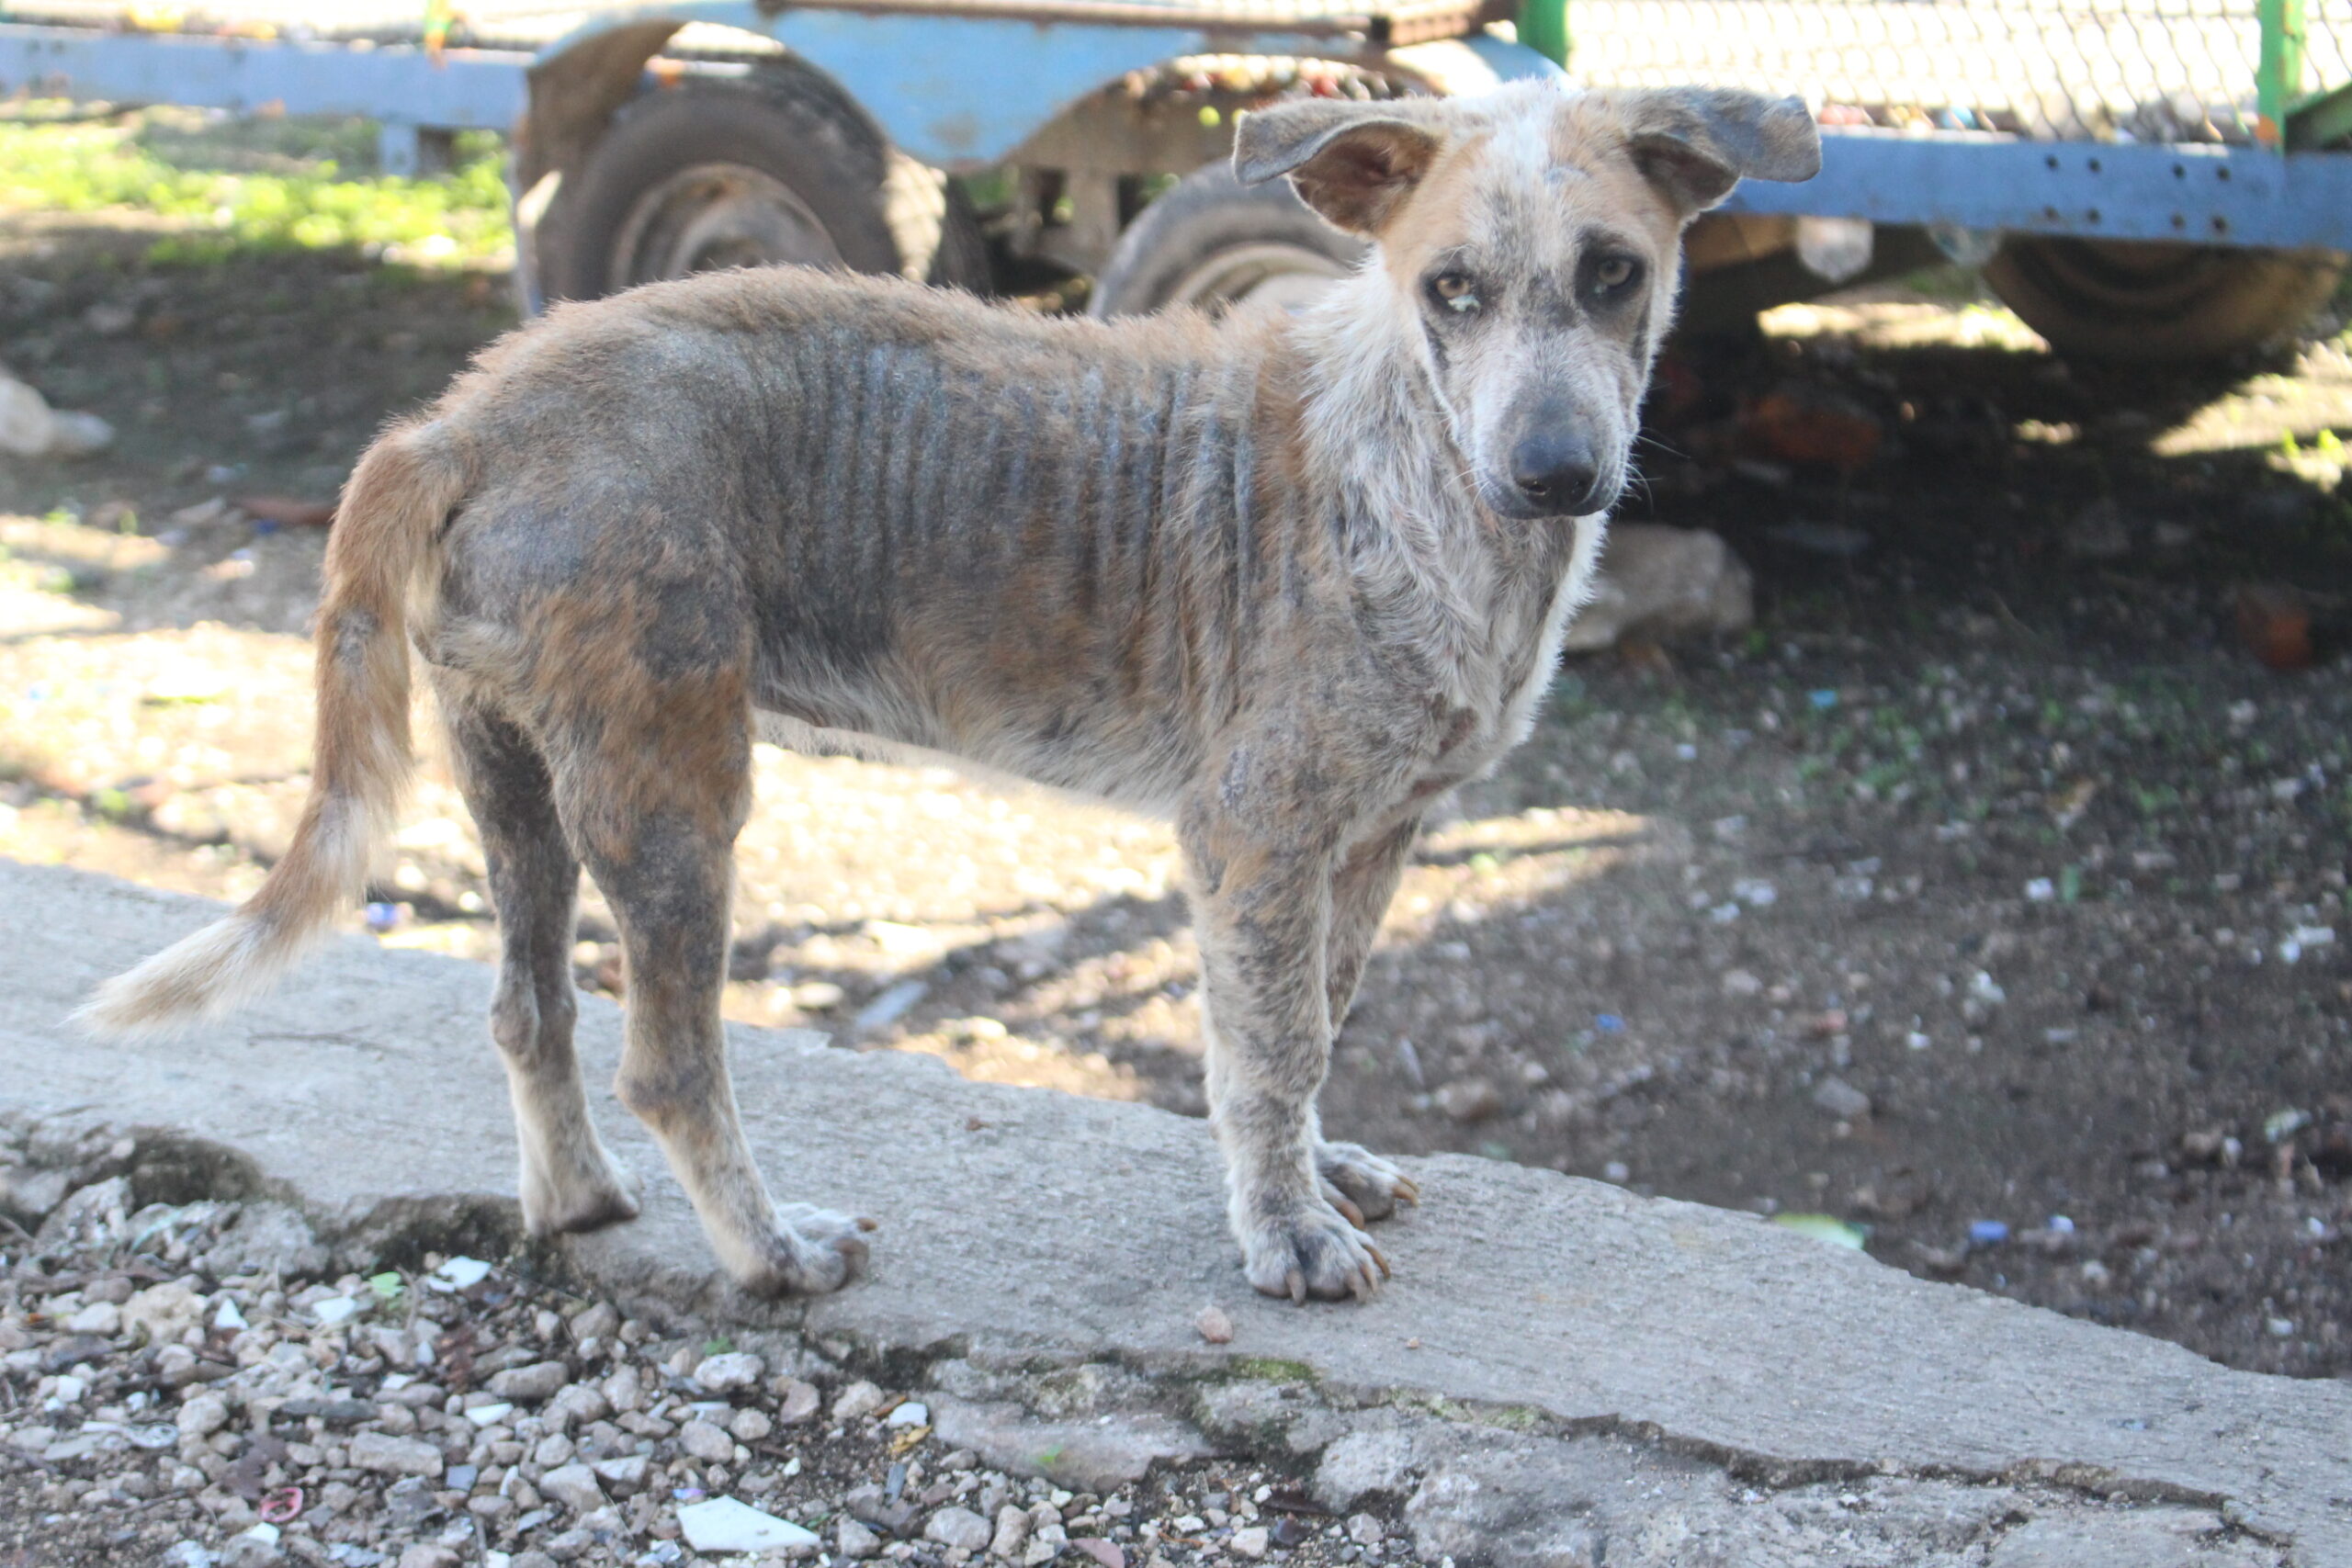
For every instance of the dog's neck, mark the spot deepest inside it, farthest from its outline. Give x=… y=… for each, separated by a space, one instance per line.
x=1488 y=591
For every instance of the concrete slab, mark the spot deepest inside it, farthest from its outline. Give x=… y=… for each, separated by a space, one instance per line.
x=1017 y=1221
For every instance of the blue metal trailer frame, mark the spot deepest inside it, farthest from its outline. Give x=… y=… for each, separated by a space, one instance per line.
x=962 y=91
x=405 y=89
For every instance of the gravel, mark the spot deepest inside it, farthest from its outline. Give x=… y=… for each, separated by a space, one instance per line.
x=510 y=1424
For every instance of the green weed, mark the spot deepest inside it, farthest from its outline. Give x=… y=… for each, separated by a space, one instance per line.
x=296 y=202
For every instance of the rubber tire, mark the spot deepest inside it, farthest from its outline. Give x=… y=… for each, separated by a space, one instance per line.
x=1726 y=300
x=2157 y=303
x=785 y=123
x=1207 y=211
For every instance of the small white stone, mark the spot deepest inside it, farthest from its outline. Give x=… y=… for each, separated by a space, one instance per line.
x=599 y=1322
x=959 y=1526
x=74 y=434
x=1250 y=1543
x=396 y=1456
x=490 y=1414
x=796 y=1402
x=705 y=1442
x=857 y=1401
x=723 y=1524
x=334 y=1310
x=893 y=1004
x=909 y=1414
x=101 y=1318
x=1011 y=1531
x=573 y=1486
x=203 y=1415
x=531 y=1385
x=458 y=1274
x=730 y=1373
x=626 y=1473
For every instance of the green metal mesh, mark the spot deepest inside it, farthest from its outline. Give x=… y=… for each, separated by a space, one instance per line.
x=2105 y=70
x=2122 y=70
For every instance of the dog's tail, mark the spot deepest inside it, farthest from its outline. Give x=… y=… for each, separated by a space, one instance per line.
x=385 y=536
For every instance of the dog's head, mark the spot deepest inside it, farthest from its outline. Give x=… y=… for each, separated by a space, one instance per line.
x=1532 y=238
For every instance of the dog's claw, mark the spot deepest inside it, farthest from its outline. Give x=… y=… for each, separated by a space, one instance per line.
x=810 y=1252
x=1362 y=1185
x=1312 y=1253
x=866 y=1222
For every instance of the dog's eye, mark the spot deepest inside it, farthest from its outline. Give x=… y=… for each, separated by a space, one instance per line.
x=1612 y=273
x=1455 y=291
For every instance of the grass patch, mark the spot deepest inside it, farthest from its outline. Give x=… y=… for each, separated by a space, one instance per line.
x=1269 y=1369
x=260 y=186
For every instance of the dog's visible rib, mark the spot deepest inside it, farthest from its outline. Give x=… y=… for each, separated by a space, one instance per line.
x=397 y=499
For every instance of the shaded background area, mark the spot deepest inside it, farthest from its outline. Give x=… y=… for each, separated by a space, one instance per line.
x=1988 y=884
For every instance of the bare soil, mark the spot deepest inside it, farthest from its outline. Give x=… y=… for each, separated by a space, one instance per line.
x=1989 y=885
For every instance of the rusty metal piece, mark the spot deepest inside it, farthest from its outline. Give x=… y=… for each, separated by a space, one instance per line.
x=1414 y=21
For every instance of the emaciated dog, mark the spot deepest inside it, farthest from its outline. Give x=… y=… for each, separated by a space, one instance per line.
x=1283 y=579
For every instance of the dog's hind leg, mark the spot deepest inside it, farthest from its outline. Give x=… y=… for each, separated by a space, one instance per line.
x=655 y=795
x=1357 y=1182
x=569 y=1181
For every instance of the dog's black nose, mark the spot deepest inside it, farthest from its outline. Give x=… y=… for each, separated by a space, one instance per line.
x=1556 y=471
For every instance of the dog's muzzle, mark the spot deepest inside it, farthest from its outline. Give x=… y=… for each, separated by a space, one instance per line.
x=1553 y=473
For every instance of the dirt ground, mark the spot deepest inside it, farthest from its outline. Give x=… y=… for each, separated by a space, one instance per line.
x=1990 y=895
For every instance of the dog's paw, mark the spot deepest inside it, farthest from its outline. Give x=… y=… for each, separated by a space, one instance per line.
x=814 y=1250
x=1362 y=1185
x=586 y=1198
x=1314 y=1252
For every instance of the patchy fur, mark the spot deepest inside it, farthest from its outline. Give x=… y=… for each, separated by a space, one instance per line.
x=1283 y=581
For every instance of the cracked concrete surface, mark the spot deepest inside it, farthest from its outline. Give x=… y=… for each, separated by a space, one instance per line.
x=1020 y=1225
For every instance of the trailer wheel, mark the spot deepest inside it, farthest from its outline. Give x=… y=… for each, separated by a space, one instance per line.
x=1212 y=242
x=771 y=168
x=2155 y=302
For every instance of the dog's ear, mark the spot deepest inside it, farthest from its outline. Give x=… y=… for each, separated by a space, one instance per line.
x=1695 y=143
x=1353 y=163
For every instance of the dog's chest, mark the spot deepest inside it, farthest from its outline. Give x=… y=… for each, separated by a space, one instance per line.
x=1496 y=689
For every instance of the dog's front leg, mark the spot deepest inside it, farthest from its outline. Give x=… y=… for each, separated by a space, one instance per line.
x=1262 y=910
x=1359 y=1183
